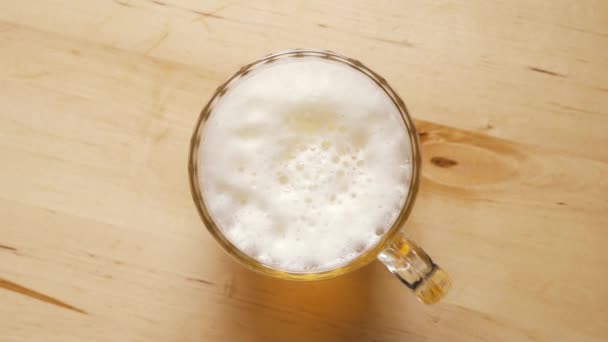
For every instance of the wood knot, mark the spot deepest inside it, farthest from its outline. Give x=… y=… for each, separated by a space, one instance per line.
x=443 y=162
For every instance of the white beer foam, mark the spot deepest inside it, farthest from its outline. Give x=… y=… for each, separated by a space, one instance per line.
x=305 y=164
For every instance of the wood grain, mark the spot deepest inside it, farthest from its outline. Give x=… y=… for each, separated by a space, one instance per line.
x=10 y=286
x=98 y=102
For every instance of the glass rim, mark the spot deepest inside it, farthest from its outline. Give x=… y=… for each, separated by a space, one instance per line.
x=365 y=257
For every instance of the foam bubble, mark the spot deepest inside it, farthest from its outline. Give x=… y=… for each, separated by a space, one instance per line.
x=304 y=164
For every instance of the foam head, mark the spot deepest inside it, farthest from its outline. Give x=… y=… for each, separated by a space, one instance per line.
x=304 y=164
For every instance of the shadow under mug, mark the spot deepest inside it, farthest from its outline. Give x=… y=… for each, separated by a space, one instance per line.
x=399 y=254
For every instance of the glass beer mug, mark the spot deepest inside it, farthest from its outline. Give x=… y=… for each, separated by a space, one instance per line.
x=406 y=260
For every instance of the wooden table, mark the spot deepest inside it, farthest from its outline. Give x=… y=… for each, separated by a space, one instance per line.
x=100 y=241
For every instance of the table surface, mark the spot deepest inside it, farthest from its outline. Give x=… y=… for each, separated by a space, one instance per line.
x=99 y=239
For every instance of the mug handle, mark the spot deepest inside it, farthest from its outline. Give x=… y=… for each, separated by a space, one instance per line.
x=415 y=269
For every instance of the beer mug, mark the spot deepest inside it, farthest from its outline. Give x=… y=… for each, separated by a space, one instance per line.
x=406 y=260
